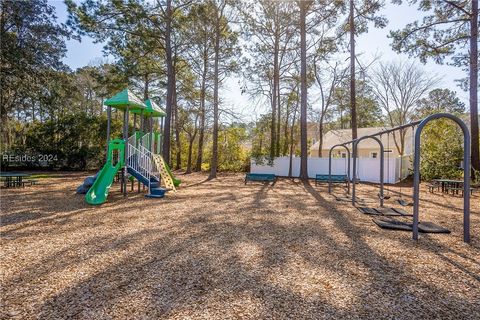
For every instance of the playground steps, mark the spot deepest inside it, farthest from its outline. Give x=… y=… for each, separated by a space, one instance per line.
x=155 y=190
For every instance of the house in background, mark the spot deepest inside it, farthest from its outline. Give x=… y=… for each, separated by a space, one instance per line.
x=367 y=148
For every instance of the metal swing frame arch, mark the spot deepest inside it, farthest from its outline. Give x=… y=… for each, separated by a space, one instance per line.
x=466 y=173
x=330 y=166
x=382 y=163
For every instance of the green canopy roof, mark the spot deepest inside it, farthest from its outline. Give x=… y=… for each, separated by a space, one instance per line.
x=152 y=109
x=125 y=98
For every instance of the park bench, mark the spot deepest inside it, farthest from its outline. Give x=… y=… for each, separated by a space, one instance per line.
x=334 y=178
x=262 y=177
x=31 y=182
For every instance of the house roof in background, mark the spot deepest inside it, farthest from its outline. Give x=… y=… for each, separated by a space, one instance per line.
x=334 y=137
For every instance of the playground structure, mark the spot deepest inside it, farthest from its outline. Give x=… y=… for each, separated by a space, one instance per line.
x=136 y=155
x=416 y=168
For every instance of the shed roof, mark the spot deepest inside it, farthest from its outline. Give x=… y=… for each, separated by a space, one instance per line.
x=334 y=137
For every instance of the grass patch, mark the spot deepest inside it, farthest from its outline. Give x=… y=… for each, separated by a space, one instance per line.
x=43 y=176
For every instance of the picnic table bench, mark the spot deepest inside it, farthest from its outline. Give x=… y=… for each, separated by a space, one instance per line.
x=31 y=182
x=262 y=177
x=13 y=179
x=334 y=178
x=455 y=190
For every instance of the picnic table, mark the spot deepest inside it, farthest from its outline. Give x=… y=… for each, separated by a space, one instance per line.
x=13 y=179
x=450 y=185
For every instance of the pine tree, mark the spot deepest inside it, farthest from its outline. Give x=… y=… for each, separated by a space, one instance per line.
x=447 y=30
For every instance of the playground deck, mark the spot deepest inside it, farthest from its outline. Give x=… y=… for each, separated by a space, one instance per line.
x=220 y=249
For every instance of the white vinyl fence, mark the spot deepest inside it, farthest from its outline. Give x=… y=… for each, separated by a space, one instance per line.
x=368 y=169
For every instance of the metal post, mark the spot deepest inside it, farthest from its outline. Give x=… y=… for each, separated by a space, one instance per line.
x=354 y=180
x=354 y=168
x=348 y=169
x=162 y=119
x=151 y=134
x=330 y=167
x=125 y=137
x=109 y=120
x=382 y=170
x=330 y=170
x=466 y=173
x=135 y=128
x=159 y=136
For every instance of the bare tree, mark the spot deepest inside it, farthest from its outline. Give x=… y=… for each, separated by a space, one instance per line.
x=225 y=51
x=327 y=91
x=398 y=87
x=190 y=127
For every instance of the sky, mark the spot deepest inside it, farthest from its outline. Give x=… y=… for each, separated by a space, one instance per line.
x=371 y=44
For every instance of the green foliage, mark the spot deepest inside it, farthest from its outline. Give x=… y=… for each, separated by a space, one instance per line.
x=442 y=150
x=232 y=151
x=439 y=100
x=369 y=112
x=74 y=141
x=443 y=32
x=33 y=44
x=442 y=140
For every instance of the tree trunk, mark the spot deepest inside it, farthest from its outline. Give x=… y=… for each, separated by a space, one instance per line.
x=353 y=102
x=303 y=102
x=279 y=114
x=320 y=138
x=145 y=97
x=190 y=149
x=474 y=85
x=273 y=129
x=176 y=122
x=203 y=89
x=285 y=131
x=291 y=139
x=146 y=87
x=170 y=82
x=214 y=160
x=178 y=142
x=189 y=157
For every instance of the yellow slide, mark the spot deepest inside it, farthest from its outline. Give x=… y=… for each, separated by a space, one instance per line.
x=162 y=167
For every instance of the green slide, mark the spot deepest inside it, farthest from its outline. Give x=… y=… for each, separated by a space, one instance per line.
x=98 y=192
x=176 y=182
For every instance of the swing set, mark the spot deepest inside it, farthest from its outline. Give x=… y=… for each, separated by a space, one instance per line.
x=416 y=134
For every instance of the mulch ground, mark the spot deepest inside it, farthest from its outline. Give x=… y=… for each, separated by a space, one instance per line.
x=222 y=250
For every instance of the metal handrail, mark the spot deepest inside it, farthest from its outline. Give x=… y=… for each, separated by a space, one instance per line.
x=132 y=140
x=144 y=139
x=143 y=163
x=152 y=167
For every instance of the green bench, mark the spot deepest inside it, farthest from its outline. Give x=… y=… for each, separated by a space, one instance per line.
x=32 y=182
x=334 y=178
x=262 y=177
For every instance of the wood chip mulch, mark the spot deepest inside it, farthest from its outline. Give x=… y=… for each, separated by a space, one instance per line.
x=222 y=250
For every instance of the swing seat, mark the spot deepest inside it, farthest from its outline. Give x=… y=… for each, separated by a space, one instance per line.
x=385 y=197
x=424 y=227
x=388 y=212
x=404 y=203
x=403 y=212
x=369 y=211
x=393 y=212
